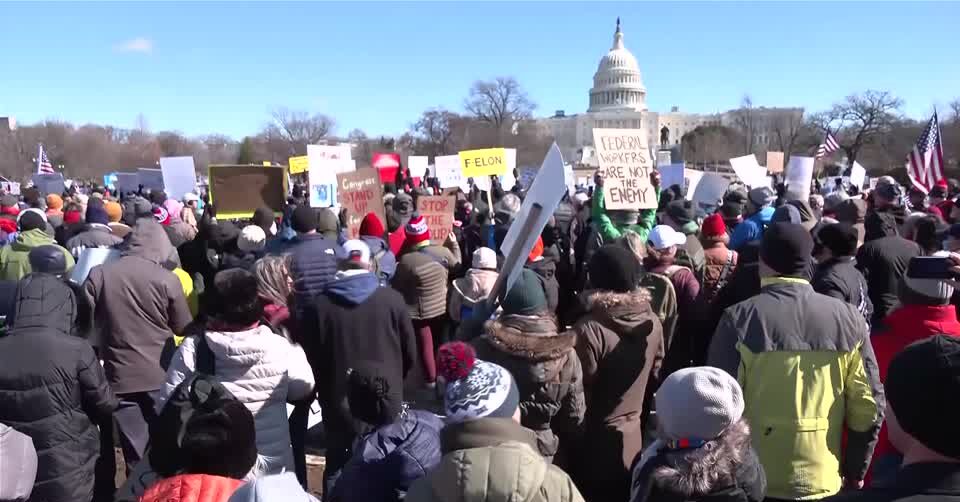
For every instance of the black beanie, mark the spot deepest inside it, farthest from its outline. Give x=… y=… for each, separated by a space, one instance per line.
x=614 y=268
x=786 y=249
x=264 y=218
x=220 y=442
x=681 y=211
x=31 y=220
x=922 y=385
x=374 y=397
x=304 y=219
x=839 y=238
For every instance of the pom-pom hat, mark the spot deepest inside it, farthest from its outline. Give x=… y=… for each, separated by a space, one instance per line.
x=475 y=389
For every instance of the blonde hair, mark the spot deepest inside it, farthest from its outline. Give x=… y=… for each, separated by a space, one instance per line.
x=632 y=241
x=273 y=278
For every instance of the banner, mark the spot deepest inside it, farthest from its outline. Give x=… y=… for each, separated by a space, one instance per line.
x=750 y=172
x=237 y=191
x=798 y=178
x=774 y=162
x=448 y=172
x=625 y=162
x=437 y=210
x=386 y=165
x=127 y=182
x=150 y=179
x=49 y=183
x=360 y=192
x=299 y=164
x=179 y=176
x=670 y=174
x=486 y=162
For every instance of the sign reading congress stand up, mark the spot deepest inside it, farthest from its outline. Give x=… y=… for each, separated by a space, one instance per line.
x=625 y=163
x=360 y=192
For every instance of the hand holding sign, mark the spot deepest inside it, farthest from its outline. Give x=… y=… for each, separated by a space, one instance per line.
x=437 y=210
x=626 y=166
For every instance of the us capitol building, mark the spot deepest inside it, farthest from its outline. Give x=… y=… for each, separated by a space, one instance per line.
x=618 y=99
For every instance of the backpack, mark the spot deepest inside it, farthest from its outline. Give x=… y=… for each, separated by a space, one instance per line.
x=708 y=290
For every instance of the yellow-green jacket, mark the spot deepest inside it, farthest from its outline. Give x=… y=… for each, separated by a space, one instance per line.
x=807 y=367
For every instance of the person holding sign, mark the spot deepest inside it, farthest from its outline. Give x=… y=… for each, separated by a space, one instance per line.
x=612 y=223
x=760 y=212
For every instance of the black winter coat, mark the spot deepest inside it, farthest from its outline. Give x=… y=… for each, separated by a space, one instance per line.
x=840 y=279
x=883 y=262
x=931 y=482
x=53 y=389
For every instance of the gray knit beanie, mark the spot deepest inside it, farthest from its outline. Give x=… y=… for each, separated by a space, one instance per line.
x=697 y=404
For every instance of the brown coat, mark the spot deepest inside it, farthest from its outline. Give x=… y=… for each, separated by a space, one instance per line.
x=547 y=371
x=715 y=258
x=422 y=279
x=620 y=344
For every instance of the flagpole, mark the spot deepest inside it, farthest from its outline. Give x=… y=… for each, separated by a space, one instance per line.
x=39 y=155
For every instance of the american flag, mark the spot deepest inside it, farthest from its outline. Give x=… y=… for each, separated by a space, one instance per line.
x=925 y=161
x=828 y=146
x=43 y=163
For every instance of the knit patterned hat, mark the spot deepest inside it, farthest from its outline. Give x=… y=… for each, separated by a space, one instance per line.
x=698 y=404
x=162 y=215
x=417 y=232
x=475 y=389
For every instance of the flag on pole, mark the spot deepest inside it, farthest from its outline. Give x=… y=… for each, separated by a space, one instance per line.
x=925 y=162
x=828 y=146
x=43 y=163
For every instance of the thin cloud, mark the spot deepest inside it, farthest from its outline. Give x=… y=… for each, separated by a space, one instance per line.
x=139 y=45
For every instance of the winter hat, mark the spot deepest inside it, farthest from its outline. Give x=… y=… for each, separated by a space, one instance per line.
x=762 y=196
x=695 y=405
x=681 y=211
x=786 y=214
x=72 y=216
x=833 y=200
x=373 y=396
x=664 y=236
x=48 y=260
x=357 y=251
x=54 y=202
x=940 y=189
x=417 y=231
x=888 y=188
x=537 y=252
x=371 y=226
x=402 y=205
x=786 y=248
x=840 y=239
x=614 y=268
x=114 y=211
x=31 y=219
x=278 y=487
x=96 y=213
x=922 y=384
x=221 y=441
x=328 y=224
x=526 y=297
x=8 y=205
x=173 y=208
x=508 y=207
x=808 y=220
x=475 y=389
x=713 y=226
x=252 y=238
x=484 y=259
x=264 y=218
x=142 y=208
x=304 y=219
x=190 y=197
x=733 y=203
x=933 y=291
x=162 y=215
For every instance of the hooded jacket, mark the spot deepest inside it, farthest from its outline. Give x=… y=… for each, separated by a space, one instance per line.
x=53 y=389
x=314 y=263
x=547 y=371
x=137 y=305
x=470 y=290
x=546 y=269
x=387 y=461
x=840 y=279
x=192 y=488
x=610 y=231
x=386 y=261
x=263 y=371
x=356 y=320
x=96 y=236
x=883 y=262
x=751 y=229
x=620 y=344
x=493 y=460
x=14 y=259
x=422 y=276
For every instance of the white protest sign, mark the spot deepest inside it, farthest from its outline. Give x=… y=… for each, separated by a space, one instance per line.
x=546 y=190
x=418 y=165
x=127 y=182
x=569 y=178
x=507 y=179
x=624 y=158
x=326 y=161
x=858 y=175
x=750 y=172
x=11 y=187
x=691 y=179
x=710 y=191
x=151 y=178
x=671 y=174
x=179 y=176
x=448 y=172
x=664 y=158
x=799 y=177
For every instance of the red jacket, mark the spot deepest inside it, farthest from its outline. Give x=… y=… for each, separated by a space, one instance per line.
x=903 y=326
x=192 y=488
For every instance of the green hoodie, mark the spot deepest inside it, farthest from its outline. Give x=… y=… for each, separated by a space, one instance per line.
x=14 y=258
x=610 y=231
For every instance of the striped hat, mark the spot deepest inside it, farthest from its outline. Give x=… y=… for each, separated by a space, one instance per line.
x=417 y=232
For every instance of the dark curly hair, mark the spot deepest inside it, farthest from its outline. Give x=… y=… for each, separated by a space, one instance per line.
x=238 y=302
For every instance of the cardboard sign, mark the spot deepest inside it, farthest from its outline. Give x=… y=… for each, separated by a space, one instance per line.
x=625 y=162
x=437 y=210
x=238 y=191
x=387 y=165
x=49 y=183
x=671 y=174
x=774 y=162
x=127 y=182
x=418 y=165
x=858 y=175
x=486 y=162
x=750 y=172
x=798 y=178
x=299 y=164
x=360 y=192
x=691 y=179
x=179 y=176
x=151 y=179
x=710 y=191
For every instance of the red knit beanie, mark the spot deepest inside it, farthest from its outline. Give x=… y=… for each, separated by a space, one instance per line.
x=72 y=217
x=537 y=250
x=417 y=232
x=713 y=226
x=371 y=226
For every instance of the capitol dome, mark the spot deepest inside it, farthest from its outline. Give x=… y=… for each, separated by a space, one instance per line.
x=617 y=85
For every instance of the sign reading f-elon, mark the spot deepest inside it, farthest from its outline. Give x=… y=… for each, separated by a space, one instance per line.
x=624 y=157
x=486 y=162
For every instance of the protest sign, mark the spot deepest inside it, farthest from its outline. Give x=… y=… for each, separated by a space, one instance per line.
x=49 y=183
x=360 y=192
x=179 y=176
x=625 y=162
x=418 y=165
x=799 y=177
x=150 y=179
x=238 y=191
x=127 y=182
x=691 y=178
x=386 y=165
x=670 y=174
x=750 y=172
x=485 y=162
x=664 y=158
x=527 y=175
x=437 y=210
x=858 y=175
x=508 y=180
x=774 y=162
x=299 y=164
x=89 y=258
x=11 y=187
x=710 y=191
x=110 y=180
x=448 y=171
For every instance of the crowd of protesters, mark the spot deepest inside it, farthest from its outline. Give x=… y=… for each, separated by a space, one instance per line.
x=766 y=348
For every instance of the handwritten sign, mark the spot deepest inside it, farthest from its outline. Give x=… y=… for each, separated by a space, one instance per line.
x=486 y=162
x=437 y=210
x=799 y=177
x=179 y=176
x=448 y=171
x=360 y=192
x=750 y=172
x=624 y=159
x=774 y=162
x=299 y=164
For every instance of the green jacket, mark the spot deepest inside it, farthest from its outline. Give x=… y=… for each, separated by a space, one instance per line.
x=807 y=369
x=610 y=231
x=14 y=258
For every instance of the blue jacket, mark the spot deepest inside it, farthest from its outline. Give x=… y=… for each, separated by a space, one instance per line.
x=314 y=263
x=752 y=228
x=388 y=460
x=386 y=262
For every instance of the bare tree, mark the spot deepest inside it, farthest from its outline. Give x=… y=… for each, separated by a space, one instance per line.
x=860 y=120
x=711 y=144
x=745 y=121
x=291 y=131
x=499 y=102
x=433 y=133
x=955 y=111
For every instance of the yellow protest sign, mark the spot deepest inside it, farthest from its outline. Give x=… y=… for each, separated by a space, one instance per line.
x=299 y=164
x=266 y=163
x=486 y=162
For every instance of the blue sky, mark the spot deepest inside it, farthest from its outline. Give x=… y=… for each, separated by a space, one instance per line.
x=221 y=67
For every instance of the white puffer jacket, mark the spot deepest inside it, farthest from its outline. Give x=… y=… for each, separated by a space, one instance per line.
x=264 y=371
